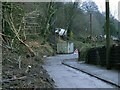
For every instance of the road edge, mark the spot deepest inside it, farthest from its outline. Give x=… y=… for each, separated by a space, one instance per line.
x=93 y=75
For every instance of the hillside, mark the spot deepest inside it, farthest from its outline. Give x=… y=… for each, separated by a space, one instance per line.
x=23 y=54
x=28 y=36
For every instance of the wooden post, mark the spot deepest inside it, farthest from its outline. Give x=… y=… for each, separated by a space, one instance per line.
x=107 y=36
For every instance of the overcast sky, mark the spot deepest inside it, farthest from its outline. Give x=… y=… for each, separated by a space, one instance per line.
x=113 y=6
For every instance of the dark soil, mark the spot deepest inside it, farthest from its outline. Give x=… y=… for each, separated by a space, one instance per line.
x=14 y=77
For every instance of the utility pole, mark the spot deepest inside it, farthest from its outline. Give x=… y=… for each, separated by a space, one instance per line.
x=91 y=25
x=107 y=36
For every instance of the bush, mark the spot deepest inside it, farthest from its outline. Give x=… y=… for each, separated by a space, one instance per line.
x=84 y=50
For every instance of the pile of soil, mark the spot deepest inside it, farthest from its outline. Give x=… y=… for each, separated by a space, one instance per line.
x=30 y=74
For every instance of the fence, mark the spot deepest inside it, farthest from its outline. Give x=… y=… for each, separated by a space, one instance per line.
x=97 y=56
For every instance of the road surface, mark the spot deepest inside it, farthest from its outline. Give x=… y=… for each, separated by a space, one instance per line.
x=66 y=77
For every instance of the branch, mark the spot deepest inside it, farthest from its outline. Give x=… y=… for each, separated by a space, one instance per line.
x=8 y=80
x=23 y=19
x=4 y=35
x=18 y=30
x=12 y=26
x=6 y=46
x=19 y=61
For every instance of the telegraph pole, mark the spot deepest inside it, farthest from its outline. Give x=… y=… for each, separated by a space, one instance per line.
x=91 y=25
x=107 y=35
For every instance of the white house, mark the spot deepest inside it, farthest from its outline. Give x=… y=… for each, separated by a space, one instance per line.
x=61 y=32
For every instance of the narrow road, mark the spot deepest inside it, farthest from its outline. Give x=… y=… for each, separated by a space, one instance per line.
x=66 y=77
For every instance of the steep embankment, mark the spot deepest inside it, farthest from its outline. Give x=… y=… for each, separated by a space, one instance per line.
x=20 y=70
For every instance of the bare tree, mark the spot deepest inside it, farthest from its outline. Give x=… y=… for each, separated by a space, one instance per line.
x=9 y=18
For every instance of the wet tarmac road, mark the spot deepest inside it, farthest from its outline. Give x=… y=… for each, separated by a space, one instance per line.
x=66 y=77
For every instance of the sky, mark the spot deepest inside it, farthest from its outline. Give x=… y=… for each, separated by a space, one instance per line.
x=113 y=6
